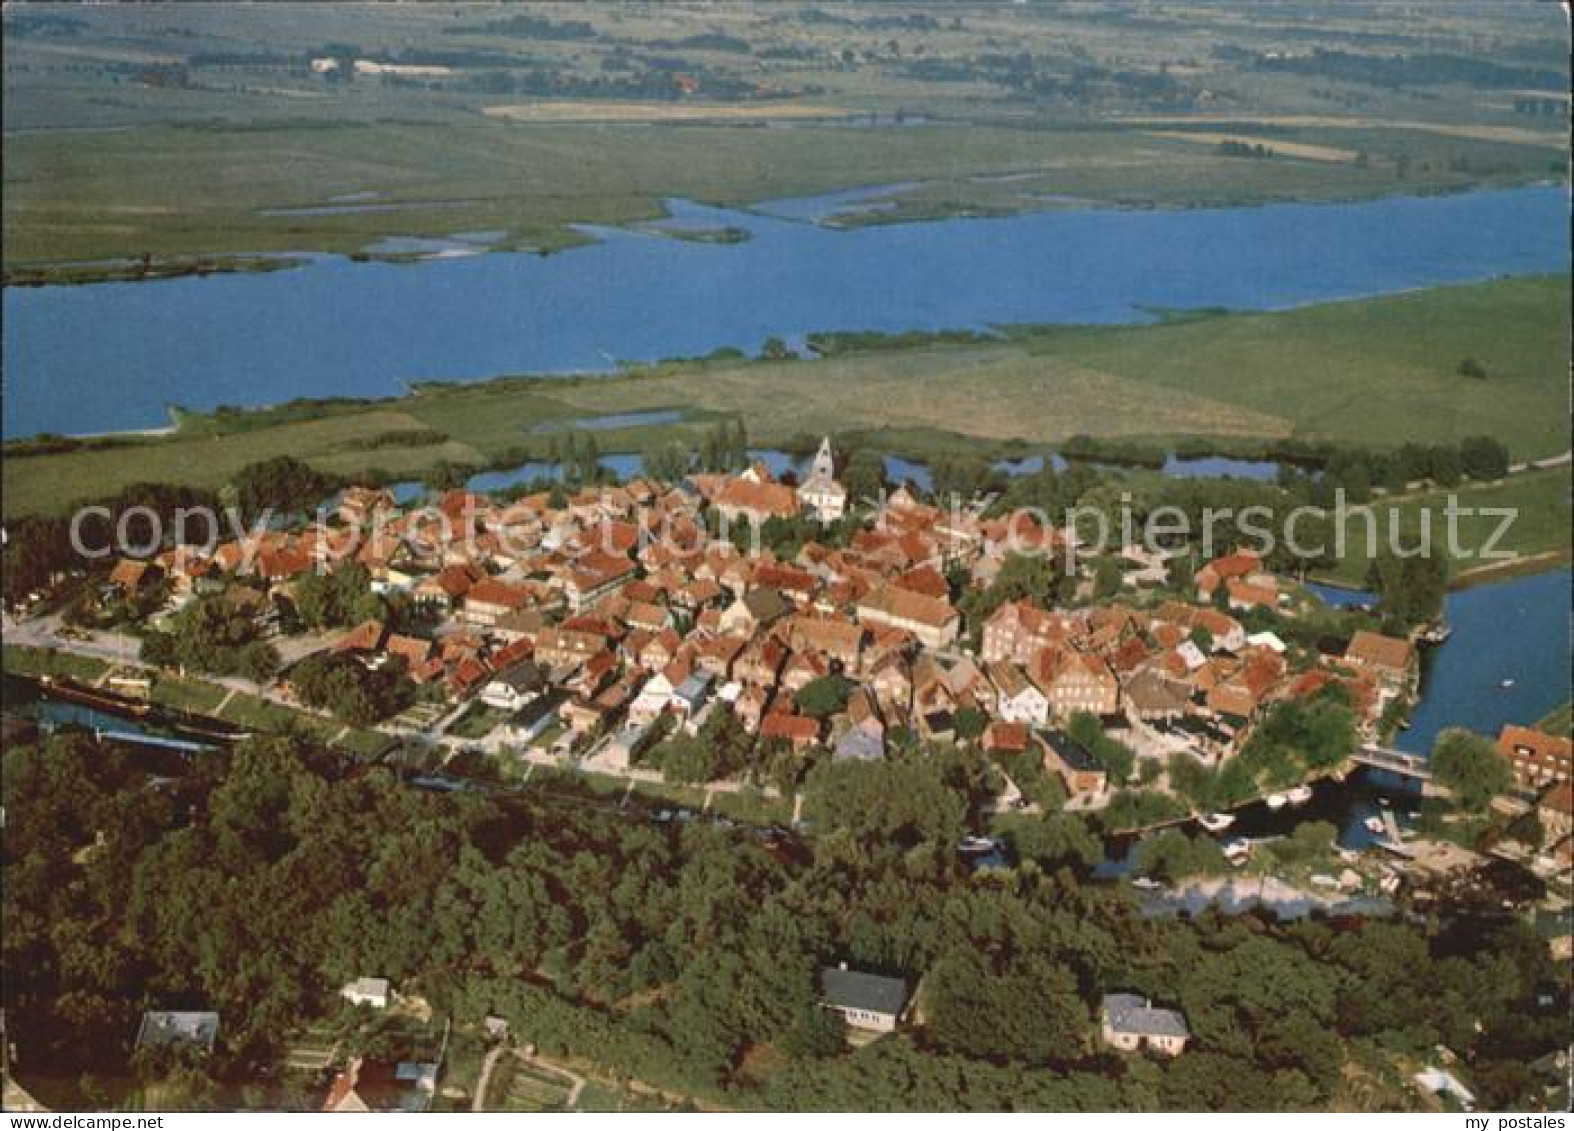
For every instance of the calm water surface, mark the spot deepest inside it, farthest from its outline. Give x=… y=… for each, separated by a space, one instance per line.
x=116 y=355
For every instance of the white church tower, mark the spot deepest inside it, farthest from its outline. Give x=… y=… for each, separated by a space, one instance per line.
x=821 y=494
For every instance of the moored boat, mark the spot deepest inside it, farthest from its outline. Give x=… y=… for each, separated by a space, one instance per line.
x=1276 y=801
x=1216 y=822
x=1300 y=795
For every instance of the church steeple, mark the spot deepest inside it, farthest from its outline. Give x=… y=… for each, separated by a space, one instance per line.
x=824 y=466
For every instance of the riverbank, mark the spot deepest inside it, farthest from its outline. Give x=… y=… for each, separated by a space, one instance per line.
x=1353 y=371
x=149 y=269
x=270 y=187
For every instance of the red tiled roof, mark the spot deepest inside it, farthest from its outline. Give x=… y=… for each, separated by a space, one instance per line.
x=490 y=591
x=795 y=728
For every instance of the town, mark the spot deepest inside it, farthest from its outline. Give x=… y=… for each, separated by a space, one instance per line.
x=728 y=632
x=842 y=555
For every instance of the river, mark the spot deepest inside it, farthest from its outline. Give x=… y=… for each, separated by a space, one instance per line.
x=109 y=356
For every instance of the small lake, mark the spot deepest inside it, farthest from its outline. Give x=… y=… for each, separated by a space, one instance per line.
x=110 y=356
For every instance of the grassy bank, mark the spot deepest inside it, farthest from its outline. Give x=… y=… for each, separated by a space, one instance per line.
x=1373 y=371
x=1539 y=532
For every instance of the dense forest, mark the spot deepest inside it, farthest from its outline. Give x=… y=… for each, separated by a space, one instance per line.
x=686 y=956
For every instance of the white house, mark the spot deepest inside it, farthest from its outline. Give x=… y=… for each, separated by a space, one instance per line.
x=1131 y=1024
x=865 y=1001
x=1018 y=699
x=514 y=686
x=652 y=700
x=366 y=991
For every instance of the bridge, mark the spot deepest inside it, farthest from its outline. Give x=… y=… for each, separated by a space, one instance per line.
x=1415 y=767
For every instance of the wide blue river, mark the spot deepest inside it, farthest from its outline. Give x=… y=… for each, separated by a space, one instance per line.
x=116 y=355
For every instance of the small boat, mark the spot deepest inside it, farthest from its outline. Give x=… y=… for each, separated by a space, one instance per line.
x=1374 y=825
x=1276 y=801
x=1300 y=795
x=1216 y=822
x=1506 y=684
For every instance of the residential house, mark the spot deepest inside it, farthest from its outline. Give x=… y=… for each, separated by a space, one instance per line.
x=1132 y=1024
x=447 y=587
x=514 y=686
x=1005 y=738
x=1555 y=810
x=132 y=575
x=371 y=992
x=593 y=576
x=858 y=744
x=1538 y=759
x=1229 y=567
x=756 y=609
x=754 y=499
x=931 y=620
x=194 y=1029
x=833 y=637
x=653 y=699
x=624 y=747
x=489 y=601
x=872 y=1002
x=559 y=645
x=1018 y=699
x=1082 y=773
x=689 y=695
x=361 y=505
x=798 y=731
x=1075 y=681
x=1151 y=697
x=1388 y=658
x=1018 y=631
x=368 y=1085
